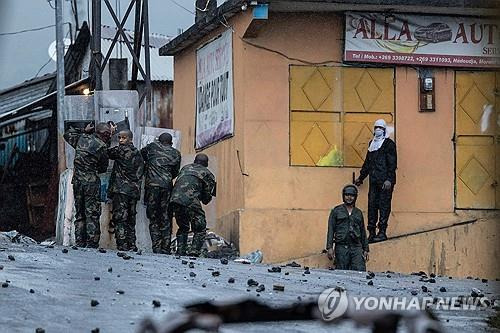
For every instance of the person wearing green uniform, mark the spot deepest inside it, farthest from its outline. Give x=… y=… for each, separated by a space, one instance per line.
x=346 y=241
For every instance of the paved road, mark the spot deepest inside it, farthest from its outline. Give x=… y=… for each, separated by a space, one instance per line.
x=65 y=283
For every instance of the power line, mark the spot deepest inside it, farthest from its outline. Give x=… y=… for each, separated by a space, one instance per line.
x=178 y=4
x=27 y=30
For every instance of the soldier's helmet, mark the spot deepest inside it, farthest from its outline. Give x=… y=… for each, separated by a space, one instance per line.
x=350 y=189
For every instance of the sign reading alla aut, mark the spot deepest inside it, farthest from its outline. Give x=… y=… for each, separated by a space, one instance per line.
x=422 y=40
x=214 y=91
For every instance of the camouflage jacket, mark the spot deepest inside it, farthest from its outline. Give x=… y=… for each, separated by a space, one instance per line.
x=162 y=163
x=346 y=229
x=195 y=183
x=127 y=170
x=91 y=157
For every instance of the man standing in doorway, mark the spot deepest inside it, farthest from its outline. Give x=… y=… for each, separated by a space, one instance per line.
x=195 y=183
x=91 y=158
x=346 y=240
x=380 y=164
x=162 y=163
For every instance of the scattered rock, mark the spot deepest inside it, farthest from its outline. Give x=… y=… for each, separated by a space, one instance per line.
x=97 y=278
x=110 y=269
x=449 y=277
x=120 y=292
x=95 y=330
x=469 y=278
x=156 y=303
x=424 y=289
x=39 y=330
x=370 y=283
x=215 y=273
x=287 y=273
x=224 y=261
x=64 y=251
x=388 y=275
x=293 y=264
x=278 y=287
x=431 y=281
x=94 y=303
x=275 y=269
x=101 y=250
x=414 y=292
x=50 y=246
x=260 y=288
x=184 y=262
x=371 y=274
x=121 y=254
x=484 y=280
x=432 y=275
x=127 y=257
x=74 y=247
x=191 y=265
x=307 y=271
x=1 y=267
x=32 y=291
x=11 y=257
x=192 y=274
x=422 y=273
x=252 y=283
x=204 y=285
x=442 y=289
x=192 y=258
x=476 y=293
x=231 y=280
x=5 y=285
x=139 y=252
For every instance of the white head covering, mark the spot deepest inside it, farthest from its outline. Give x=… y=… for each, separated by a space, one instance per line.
x=377 y=141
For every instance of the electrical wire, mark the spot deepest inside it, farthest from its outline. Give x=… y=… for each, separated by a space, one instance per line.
x=205 y=9
x=181 y=6
x=26 y=30
x=50 y=4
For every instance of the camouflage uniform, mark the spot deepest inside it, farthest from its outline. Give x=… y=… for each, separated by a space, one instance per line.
x=162 y=163
x=125 y=190
x=194 y=184
x=348 y=234
x=91 y=158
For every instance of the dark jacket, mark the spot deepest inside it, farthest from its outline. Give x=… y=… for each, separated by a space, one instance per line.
x=127 y=170
x=195 y=183
x=91 y=157
x=162 y=164
x=381 y=164
x=346 y=229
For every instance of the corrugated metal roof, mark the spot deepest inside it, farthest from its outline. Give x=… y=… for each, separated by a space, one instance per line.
x=24 y=93
x=162 y=68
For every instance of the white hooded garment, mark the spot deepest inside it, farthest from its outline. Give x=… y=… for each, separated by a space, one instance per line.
x=378 y=140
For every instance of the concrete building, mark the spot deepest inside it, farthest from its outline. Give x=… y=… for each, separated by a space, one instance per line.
x=305 y=81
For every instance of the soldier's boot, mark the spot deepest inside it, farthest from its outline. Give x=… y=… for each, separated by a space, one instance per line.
x=198 y=240
x=182 y=244
x=371 y=235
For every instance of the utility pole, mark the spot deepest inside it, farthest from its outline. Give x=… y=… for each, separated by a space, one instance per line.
x=60 y=84
x=96 y=44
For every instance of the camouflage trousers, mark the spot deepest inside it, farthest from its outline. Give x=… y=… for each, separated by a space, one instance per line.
x=379 y=207
x=160 y=219
x=187 y=217
x=349 y=257
x=124 y=212
x=87 y=214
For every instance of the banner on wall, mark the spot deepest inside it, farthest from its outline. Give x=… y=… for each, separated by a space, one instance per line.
x=422 y=40
x=214 y=91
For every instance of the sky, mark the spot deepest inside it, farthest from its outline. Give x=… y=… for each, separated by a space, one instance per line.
x=23 y=55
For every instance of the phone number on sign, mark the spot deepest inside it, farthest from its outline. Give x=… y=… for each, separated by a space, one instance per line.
x=416 y=59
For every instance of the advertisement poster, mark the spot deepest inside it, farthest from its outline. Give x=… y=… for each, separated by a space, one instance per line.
x=214 y=91
x=422 y=40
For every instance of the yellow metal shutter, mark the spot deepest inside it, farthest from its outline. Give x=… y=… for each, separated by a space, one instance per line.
x=476 y=140
x=368 y=96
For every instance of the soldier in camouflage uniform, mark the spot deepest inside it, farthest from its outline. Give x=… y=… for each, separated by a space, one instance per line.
x=125 y=189
x=162 y=162
x=194 y=184
x=91 y=158
x=346 y=241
